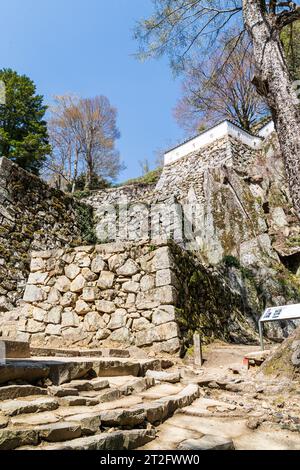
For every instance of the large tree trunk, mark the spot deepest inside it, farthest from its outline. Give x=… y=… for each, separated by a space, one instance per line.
x=275 y=84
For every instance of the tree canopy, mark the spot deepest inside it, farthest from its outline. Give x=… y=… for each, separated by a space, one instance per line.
x=23 y=130
x=213 y=90
x=83 y=134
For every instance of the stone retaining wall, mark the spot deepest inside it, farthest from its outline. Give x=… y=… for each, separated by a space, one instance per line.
x=151 y=296
x=32 y=216
x=119 y=293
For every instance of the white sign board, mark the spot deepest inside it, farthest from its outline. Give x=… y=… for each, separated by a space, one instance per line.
x=286 y=312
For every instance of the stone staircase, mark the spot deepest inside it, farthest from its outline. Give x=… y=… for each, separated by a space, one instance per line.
x=87 y=403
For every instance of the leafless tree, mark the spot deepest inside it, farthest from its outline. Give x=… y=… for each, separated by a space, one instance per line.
x=83 y=135
x=213 y=90
x=178 y=25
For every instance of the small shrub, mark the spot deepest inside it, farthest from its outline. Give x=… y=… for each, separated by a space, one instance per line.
x=84 y=218
x=231 y=262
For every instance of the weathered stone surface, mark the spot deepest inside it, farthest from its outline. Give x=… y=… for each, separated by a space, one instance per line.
x=167 y=331
x=141 y=324
x=89 y=423
x=105 y=306
x=62 y=391
x=98 y=264
x=93 y=322
x=82 y=307
x=38 y=314
x=37 y=264
x=72 y=271
x=3 y=422
x=53 y=330
x=37 y=278
x=123 y=418
x=11 y=438
x=131 y=286
x=207 y=442
x=62 y=284
x=165 y=277
x=54 y=296
x=35 y=326
x=34 y=294
x=162 y=259
x=122 y=335
x=36 y=419
x=129 y=268
x=10 y=392
x=163 y=314
x=90 y=294
x=117 y=319
x=171 y=377
x=58 y=432
x=146 y=337
x=147 y=282
x=23 y=370
x=89 y=275
x=17 y=407
x=171 y=346
x=74 y=401
x=68 y=299
x=78 y=284
x=15 y=349
x=54 y=315
x=119 y=440
x=106 y=280
x=70 y=319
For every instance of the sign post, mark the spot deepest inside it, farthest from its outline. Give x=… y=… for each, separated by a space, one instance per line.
x=285 y=312
x=198 y=359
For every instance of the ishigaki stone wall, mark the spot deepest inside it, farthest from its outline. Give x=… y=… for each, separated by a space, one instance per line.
x=103 y=294
x=33 y=216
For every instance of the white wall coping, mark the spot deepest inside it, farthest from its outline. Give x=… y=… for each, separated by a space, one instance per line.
x=225 y=128
x=267 y=129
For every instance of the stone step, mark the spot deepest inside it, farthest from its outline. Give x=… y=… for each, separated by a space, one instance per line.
x=14 y=349
x=152 y=412
x=57 y=432
x=118 y=440
x=87 y=385
x=104 y=352
x=10 y=392
x=63 y=370
x=30 y=405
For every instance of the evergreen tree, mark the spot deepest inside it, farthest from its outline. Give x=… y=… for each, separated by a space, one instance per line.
x=23 y=131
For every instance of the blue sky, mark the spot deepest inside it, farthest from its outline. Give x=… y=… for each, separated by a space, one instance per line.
x=86 y=47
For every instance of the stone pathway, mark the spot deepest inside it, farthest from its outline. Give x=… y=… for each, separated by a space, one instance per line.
x=128 y=403
x=59 y=407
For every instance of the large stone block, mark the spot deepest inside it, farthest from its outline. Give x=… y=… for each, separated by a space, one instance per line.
x=35 y=326
x=121 y=335
x=163 y=259
x=129 y=268
x=34 y=294
x=93 y=322
x=54 y=315
x=163 y=314
x=82 y=307
x=78 y=284
x=117 y=319
x=70 y=319
x=72 y=271
x=105 y=306
x=62 y=284
x=37 y=278
x=98 y=264
x=106 y=280
x=167 y=331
